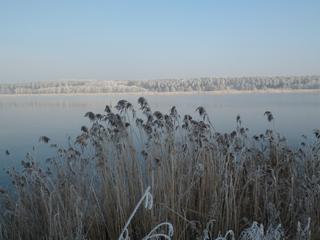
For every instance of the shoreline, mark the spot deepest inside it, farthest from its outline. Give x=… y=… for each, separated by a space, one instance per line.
x=147 y=93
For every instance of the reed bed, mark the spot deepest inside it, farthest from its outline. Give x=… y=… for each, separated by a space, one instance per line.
x=194 y=182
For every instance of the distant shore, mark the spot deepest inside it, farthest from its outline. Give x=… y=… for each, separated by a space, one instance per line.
x=148 y=93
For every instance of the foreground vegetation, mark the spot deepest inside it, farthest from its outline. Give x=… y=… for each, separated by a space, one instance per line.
x=132 y=171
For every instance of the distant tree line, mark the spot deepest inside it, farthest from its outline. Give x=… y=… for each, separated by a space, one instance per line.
x=163 y=85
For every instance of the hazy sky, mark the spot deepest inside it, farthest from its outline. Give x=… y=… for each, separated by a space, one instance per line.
x=76 y=39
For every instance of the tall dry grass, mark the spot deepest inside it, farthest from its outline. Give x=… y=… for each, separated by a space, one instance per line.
x=203 y=183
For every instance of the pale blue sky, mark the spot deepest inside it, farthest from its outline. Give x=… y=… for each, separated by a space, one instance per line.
x=75 y=39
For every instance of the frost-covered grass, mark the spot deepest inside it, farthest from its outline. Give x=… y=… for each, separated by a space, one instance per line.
x=195 y=182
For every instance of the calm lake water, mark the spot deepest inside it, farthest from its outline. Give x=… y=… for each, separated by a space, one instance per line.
x=23 y=119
